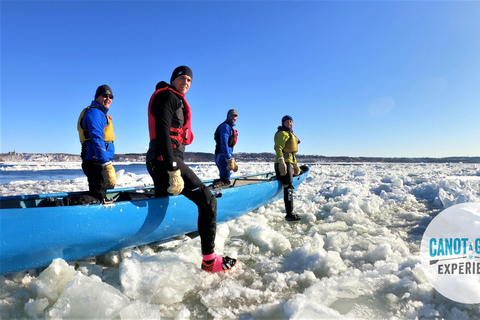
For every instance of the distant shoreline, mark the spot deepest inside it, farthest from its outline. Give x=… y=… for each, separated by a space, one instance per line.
x=246 y=157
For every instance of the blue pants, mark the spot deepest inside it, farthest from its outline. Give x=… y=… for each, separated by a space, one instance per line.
x=222 y=164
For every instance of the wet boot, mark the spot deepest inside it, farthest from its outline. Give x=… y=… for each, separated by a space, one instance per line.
x=219 y=264
x=292 y=217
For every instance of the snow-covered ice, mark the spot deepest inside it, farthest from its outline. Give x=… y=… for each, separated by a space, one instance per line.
x=353 y=255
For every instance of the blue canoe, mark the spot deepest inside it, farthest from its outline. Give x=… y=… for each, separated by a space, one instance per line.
x=32 y=235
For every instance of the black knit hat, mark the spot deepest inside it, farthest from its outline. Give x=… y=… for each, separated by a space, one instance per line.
x=180 y=71
x=104 y=89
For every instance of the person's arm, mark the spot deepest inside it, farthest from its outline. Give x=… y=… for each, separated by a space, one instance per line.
x=225 y=133
x=280 y=140
x=96 y=121
x=163 y=109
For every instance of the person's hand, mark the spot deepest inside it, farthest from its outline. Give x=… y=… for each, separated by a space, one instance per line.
x=232 y=165
x=296 y=169
x=112 y=176
x=282 y=166
x=175 y=181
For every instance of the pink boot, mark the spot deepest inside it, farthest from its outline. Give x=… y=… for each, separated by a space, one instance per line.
x=217 y=263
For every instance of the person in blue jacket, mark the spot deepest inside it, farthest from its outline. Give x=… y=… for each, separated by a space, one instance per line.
x=226 y=138
x=97 y=137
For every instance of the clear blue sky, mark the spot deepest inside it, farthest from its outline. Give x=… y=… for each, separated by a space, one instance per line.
x=359 y=78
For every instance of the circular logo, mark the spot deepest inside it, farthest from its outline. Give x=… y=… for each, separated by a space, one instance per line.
x=450 y=253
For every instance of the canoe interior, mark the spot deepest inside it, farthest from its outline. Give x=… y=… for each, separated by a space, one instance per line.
x=115 y=195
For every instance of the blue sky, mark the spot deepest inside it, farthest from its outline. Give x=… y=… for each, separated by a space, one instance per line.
x=359 y=78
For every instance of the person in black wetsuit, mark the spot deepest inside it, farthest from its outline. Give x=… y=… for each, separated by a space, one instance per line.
x=169 y=121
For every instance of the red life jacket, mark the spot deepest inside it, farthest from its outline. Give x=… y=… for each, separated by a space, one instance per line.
x=183 y=135
x=234 y=137
x=232 y=140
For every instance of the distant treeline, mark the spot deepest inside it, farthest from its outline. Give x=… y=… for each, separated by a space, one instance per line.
x=246 y=157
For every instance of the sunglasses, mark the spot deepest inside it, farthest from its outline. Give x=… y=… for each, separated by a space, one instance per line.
x=107 y=96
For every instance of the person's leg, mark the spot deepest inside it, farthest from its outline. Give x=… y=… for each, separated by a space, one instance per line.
x=159 y=174
x=196 y=191
x=97 y=179
x=206 y=202
x=288 y=200
x=287 y=191
x=222 y=164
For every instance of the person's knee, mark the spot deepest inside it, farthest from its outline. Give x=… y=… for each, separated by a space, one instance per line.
x=207 y=198
x=212 y=201
x=208 y=203
x=202 y=197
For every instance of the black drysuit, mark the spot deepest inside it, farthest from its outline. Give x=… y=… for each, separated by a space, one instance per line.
x=167 y=111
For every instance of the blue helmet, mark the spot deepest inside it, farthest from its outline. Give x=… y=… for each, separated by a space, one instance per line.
x=285 y=118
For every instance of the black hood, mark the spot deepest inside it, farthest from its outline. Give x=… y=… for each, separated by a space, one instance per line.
x=161 y=84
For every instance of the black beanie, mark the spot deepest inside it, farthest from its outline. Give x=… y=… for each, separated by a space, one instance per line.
x=104 y=89
x=179 y=71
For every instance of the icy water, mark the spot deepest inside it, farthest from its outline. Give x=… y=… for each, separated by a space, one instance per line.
x=353 y=255
x=9 y=173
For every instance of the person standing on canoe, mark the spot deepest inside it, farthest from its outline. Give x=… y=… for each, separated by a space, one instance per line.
x=286 y=146
x=169 y=124
x=96 y=133
x=225 y=139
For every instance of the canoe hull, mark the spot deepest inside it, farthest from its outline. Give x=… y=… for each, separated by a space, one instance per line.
x=33 y=237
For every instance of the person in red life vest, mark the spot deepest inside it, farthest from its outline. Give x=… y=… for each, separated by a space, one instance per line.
x=286 y=166
x=96 y=134
x=225 y=139
x=169 y=123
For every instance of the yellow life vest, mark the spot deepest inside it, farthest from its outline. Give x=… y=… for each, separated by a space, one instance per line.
x=84 y=135
x=291 y=145
x=286 y=146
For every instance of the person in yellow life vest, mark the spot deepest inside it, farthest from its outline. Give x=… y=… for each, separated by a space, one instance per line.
x=286 y=166
x=97 y=137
